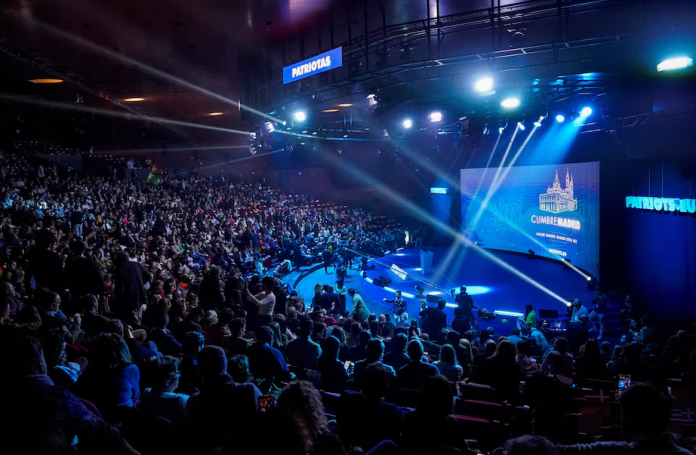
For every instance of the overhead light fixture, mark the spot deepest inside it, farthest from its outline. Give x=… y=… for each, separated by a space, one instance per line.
x=510 y=103
x=586 y=112
x=269 y=127
x=538 y=122
x=133 y=100
x=436 y=117
x=484 y=85
x=213 y=114
x=300 y=116
x=675 y=64
x=520 y=125
x=407 y=123
x=371 y=99
x=345 y=105
x=46 y=81
x=501 y=126
x=330 y=110
x=560 y=118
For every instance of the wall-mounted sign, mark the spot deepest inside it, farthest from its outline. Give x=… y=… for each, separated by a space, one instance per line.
x=315 y=65
x=661 y=204
x=435 y=190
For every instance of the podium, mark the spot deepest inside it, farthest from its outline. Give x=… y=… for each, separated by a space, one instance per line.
x=426 y=261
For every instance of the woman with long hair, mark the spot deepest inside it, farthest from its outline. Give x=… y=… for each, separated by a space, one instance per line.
x=344 y=349
x=265 y=300
x=591 y=365
x=501 y=371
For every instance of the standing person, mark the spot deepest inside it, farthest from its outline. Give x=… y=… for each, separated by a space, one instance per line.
x=129 y=293
x=342 y=292
x=45 y=265
x=331 y=301
x=529 y=317
x=264 y=300
x=326 y=257
x=359 y=312
x=466 y=304
x=600 y=302
x=82 y=275
x=76 y=219
x=434 y=319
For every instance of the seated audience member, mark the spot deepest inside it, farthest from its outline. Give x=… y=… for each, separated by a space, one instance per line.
x=528 y=444
x=431 y=427
x=501 y=370
x=189 y=380
x=559 y=361
x=526 y=363
x=414 y=374
x=359 y=351
x=111 y=380
x=360 y=411
x=633 y=365
x=236 y=344
x=616 y=360
x=448 y=365
x=266 y=361
x=219 y=333
x=333 y=372
x=238 y=368
x=46 y=419
x=462 y=352
x=344 y=350
x=303 y=352
x=590 y=364
x=93 y=323
x=159 y=400
x=165 y=342
x=209 y=410
x=396 y=358
x=539 y=344
x=515 y=337
x=375 y=351
x=645 y=414
x=191 y=323
x=488 y=351
x=62 y=372
x=460 y=323
x=298 y=424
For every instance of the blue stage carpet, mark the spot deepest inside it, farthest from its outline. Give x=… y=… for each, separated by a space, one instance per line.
x=492 y=286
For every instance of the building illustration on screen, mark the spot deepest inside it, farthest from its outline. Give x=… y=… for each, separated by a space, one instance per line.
x=557 y=199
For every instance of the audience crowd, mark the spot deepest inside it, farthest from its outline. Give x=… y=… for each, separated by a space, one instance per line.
x=137 y=318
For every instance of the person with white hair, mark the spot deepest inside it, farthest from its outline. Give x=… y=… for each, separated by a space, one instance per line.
x=402 y=321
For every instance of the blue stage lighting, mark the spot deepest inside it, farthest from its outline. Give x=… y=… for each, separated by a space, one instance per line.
x=586 y=112
x=300 y=116
x=484 y=85
x=560 y=118
x=407 y=123
x=501 y=129
x=538 y=122
x=675 y=64
x=520 y=125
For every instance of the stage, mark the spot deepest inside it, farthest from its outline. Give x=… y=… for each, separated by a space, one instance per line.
x=492 y=286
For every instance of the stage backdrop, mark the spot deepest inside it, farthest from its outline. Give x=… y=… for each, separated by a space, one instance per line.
x=552 y=210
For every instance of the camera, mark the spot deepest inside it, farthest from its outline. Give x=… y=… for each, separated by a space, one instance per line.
x=485 y=315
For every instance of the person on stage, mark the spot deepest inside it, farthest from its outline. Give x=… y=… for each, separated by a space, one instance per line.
x=529 y=317
x=466 y=304
x=359 y=312
x=398 y=302
x=578 y=311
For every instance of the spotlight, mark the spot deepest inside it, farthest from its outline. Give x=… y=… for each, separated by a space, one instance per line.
x=371 y=99
x=300 y=116
x=538 y=122
x=484 y=85
x=269 y=127
x=510 y=103
x=520 y=125
x=501 y=126
x=589 y=278
x=560 y=118
x=420 y=291
x=500 y=130
x=675 y=64
x=586 y=112
x=407 y=123
x=436 y=117
x=569 y=303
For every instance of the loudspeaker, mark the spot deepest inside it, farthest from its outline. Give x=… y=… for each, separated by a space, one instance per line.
x=548 y=314
x=430 y=298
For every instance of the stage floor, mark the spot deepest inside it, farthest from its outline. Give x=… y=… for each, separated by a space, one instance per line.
x=492 y=286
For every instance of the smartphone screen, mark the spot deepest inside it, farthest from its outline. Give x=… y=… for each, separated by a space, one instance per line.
x=347 y=365
x=266 y=402
x=624 y=381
